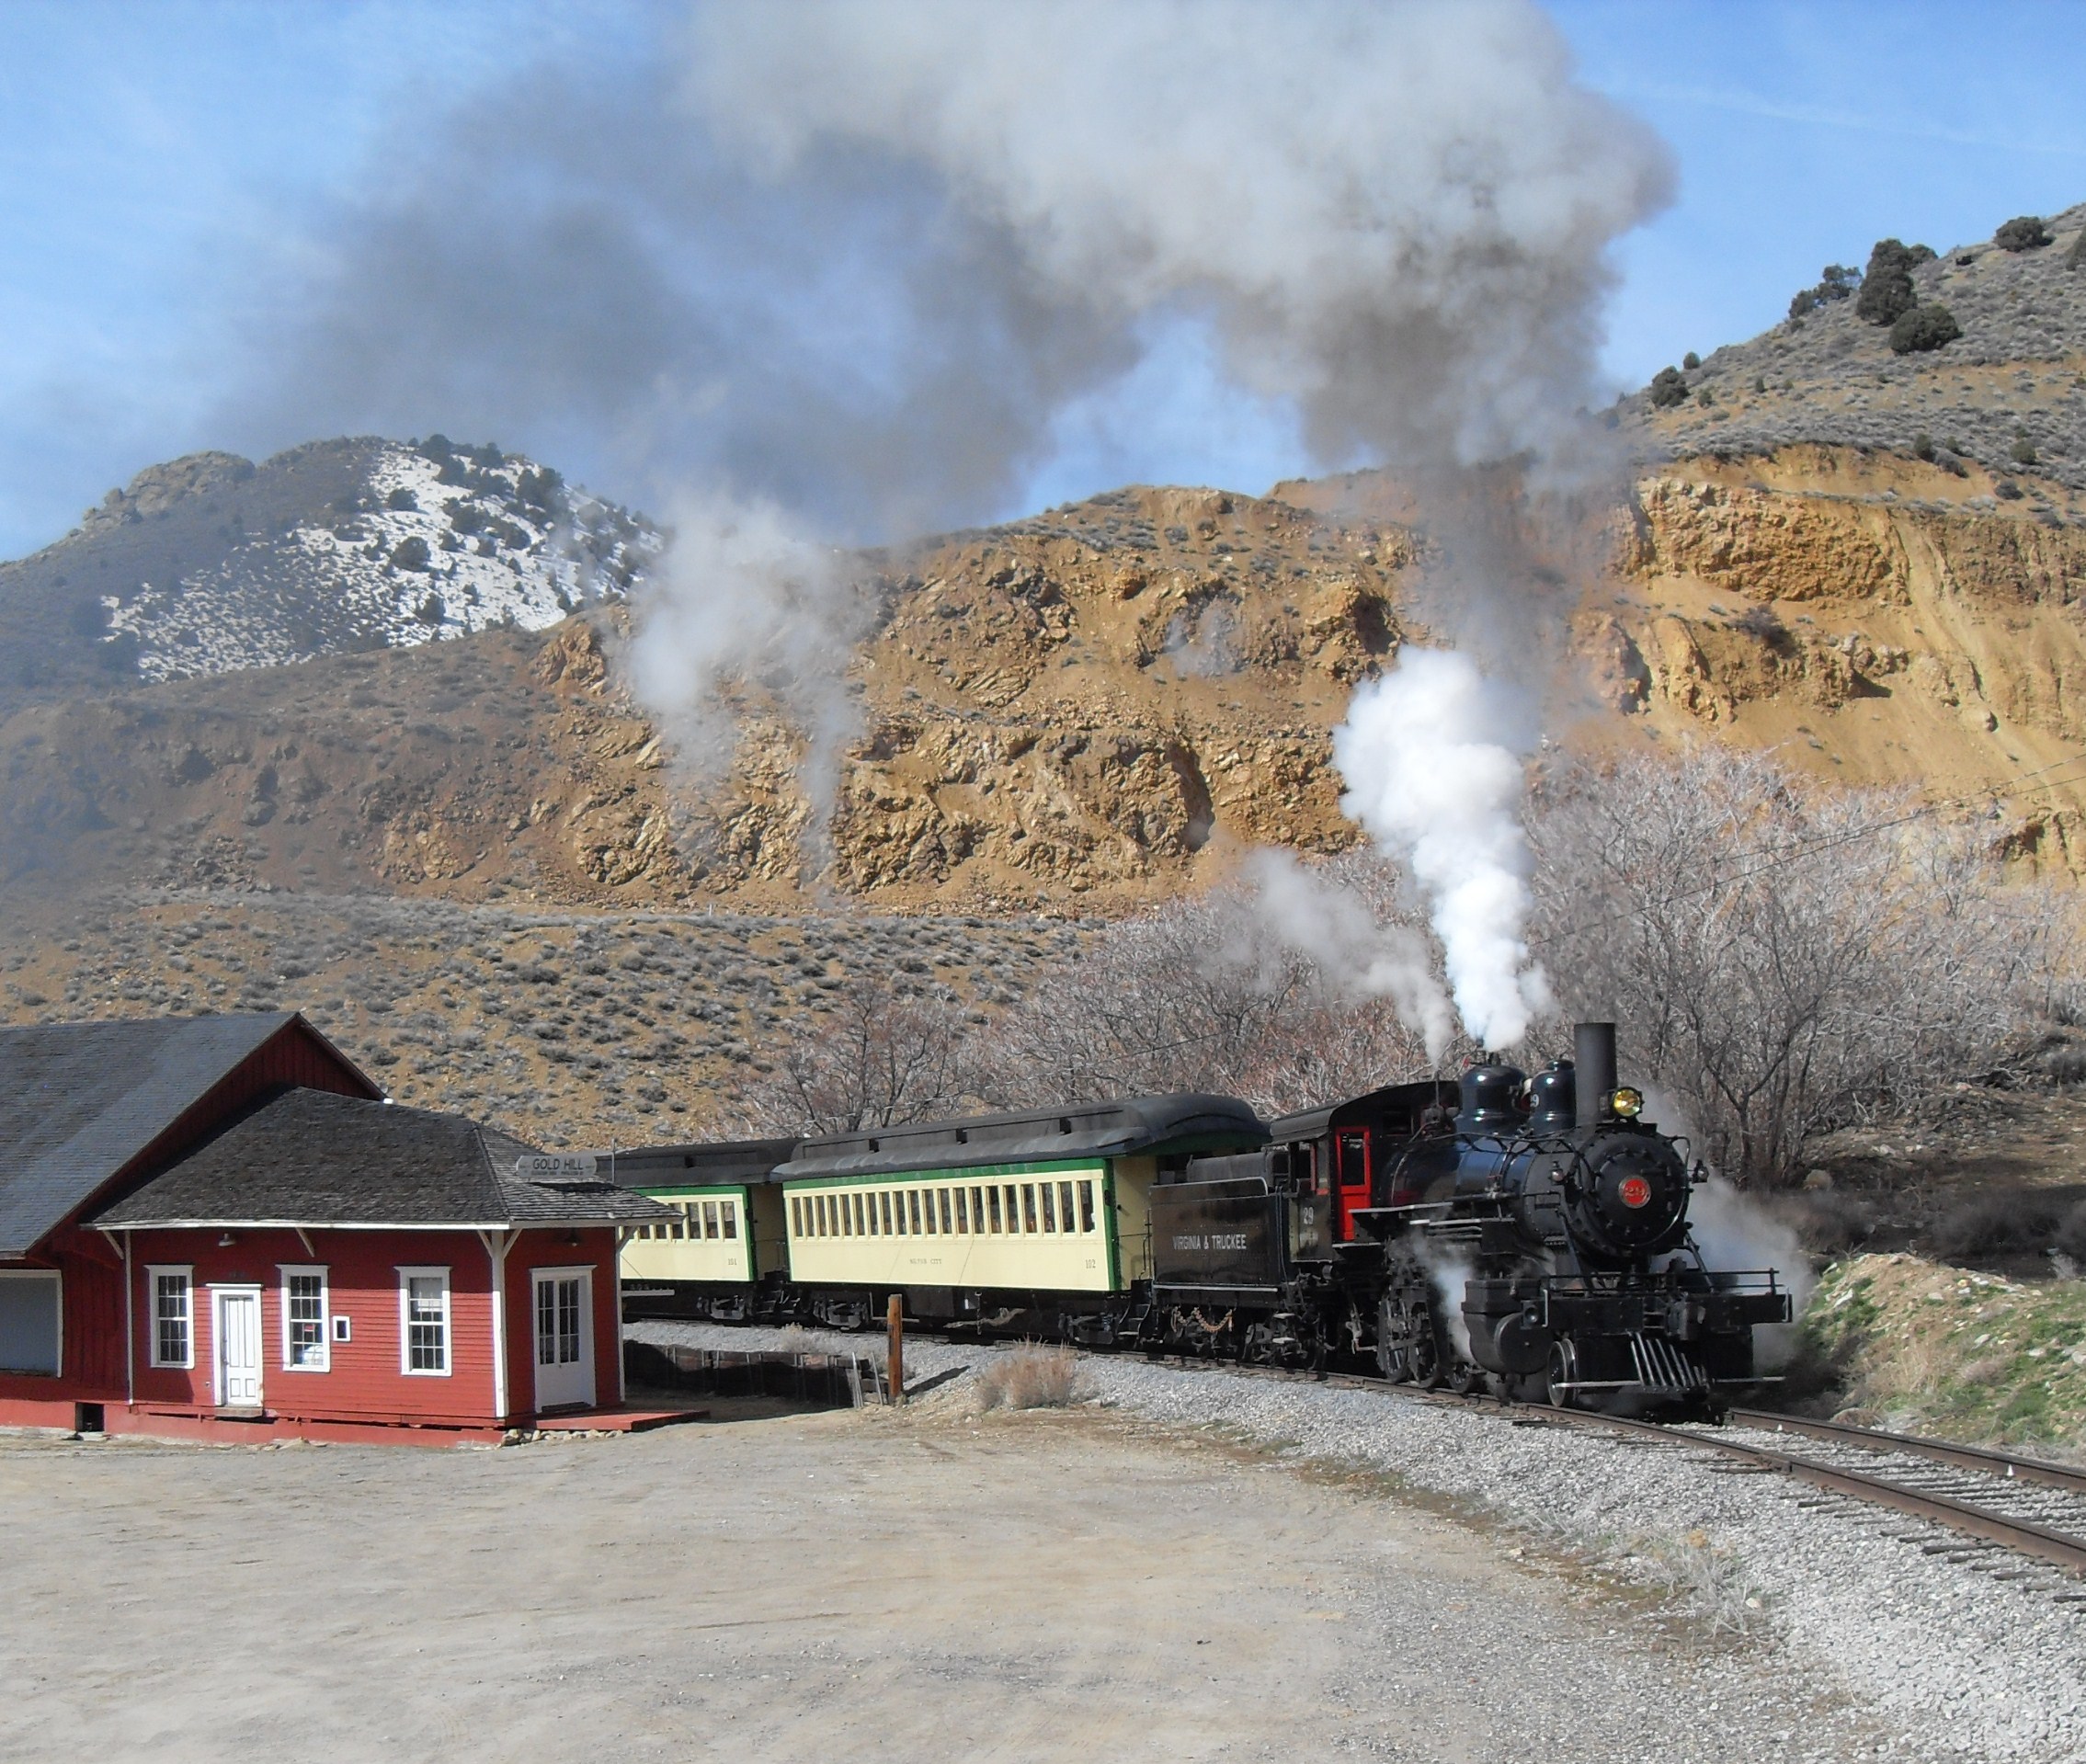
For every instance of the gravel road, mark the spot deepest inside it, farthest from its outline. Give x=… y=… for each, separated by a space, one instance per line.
x=1945 y=1649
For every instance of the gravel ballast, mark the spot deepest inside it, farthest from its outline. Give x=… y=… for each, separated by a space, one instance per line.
x=1951 y=1657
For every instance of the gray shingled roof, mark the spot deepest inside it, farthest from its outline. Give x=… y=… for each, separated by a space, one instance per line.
x=79 y=1102
x=309 y=1157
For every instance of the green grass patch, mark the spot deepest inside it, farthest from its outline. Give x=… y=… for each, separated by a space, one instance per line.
x=1924 y=1346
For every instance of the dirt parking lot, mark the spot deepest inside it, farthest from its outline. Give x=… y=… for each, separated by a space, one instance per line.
x=837 y=1587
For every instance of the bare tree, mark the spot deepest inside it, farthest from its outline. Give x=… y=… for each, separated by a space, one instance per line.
x=883 y=1056
x=1205 y=994
x=1784 y=960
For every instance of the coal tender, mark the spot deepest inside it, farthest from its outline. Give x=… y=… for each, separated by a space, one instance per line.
x=1525 y=1235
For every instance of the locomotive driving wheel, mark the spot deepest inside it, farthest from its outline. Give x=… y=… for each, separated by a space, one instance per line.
x=1406 y=1353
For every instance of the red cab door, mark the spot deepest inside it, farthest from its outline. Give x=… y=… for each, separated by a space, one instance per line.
x=1351 y=1177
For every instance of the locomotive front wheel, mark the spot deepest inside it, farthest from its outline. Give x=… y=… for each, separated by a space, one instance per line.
x=1564 y=1372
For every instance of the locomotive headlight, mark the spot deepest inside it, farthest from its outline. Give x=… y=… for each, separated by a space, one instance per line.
x=1626 y=1103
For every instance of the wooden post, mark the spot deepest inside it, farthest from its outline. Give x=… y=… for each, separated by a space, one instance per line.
x=897 y=1316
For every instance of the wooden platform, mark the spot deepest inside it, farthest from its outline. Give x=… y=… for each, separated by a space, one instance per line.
x=620 y=1419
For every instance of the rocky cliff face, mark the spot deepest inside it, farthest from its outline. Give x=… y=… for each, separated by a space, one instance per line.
x=1097 y=707
x=1878 y=621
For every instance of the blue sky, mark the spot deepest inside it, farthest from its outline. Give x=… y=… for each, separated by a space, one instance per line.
x=159 y=161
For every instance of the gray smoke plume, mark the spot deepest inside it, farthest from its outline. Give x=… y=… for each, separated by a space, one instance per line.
x=1395 y=216
x=851 y=260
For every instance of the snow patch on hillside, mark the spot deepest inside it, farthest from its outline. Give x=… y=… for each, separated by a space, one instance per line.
x=435 y=546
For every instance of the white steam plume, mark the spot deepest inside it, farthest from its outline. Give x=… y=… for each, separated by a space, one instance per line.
x=1428 y=778
x=1355 y=951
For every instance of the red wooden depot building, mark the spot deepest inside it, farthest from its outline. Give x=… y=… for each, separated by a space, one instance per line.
x=217 y=1227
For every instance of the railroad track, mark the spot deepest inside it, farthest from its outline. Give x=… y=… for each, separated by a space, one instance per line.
x=2027 y=1506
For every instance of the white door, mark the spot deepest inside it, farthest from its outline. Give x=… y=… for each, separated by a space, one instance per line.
x=564 y=1338
x=236 y=1329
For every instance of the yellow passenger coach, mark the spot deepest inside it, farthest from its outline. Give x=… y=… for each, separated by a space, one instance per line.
x=995 y=1221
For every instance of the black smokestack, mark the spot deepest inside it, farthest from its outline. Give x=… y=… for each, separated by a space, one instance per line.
x=1594 y=1063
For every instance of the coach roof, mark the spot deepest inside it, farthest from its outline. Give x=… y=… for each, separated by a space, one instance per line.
x=726 y=1163
x=1136 y=1126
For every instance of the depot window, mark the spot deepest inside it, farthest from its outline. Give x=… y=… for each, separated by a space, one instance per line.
x=423 y=1305
x=305 y=1329
x=172 y=1317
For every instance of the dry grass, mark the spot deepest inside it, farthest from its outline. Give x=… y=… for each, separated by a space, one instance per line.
x=1031 y=1377
x=1711 y=1585
x=794 y=1339
x=1933 y=1349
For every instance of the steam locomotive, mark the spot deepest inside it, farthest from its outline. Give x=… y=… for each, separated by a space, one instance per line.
x=1525 y=1235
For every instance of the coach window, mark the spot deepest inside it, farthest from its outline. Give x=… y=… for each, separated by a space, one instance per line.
x=963 y=1210
x=992 y=1202
x=855 y=1211
x=710 y=1219
x=947 y=1225
x=1049 y=1209
x=1065 y=1205
x=1086 y=1206
x=1028 y=1206
x=730 y=1211
x=826 y=1225
x=883 y=1209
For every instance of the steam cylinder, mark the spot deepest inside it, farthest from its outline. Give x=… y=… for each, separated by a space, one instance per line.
x=1593 y=1064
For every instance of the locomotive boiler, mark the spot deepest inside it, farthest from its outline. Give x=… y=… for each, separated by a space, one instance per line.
x=1527 y=1235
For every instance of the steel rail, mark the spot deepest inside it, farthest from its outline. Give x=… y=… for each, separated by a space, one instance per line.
x=1996 y=1464
x=2023 y=1537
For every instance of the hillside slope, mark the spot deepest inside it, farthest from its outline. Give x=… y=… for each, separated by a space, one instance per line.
x=2017 y=375
x=211 y=564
